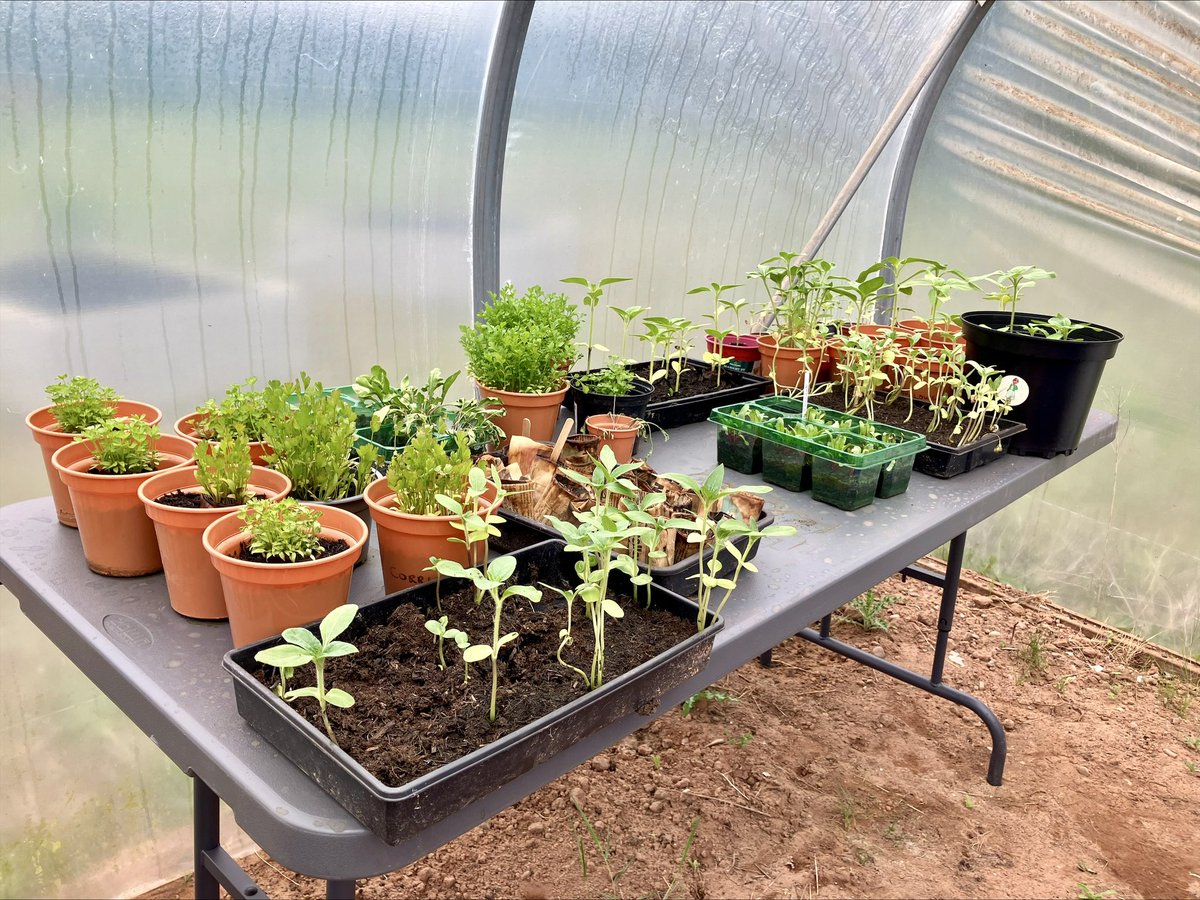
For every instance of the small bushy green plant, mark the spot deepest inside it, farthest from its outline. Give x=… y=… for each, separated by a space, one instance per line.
x=312 y=441
x=1009 y=285
x=242 y=411
x=123 y=446
x=614 y=379
x=425 y=469
x=302 y=649
x=80 y=402
x=523 y=344
x=282 y=530
x=223 y=470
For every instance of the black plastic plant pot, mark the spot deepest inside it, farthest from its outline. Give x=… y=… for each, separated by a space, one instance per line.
x=678 y=577
x=667 y=412
x=633 y=404
x=894 y=477
x=739 y=451
x=845 y=487
x=1062 y=375
x=397 y=813
x=788 y=467
x=941 y=461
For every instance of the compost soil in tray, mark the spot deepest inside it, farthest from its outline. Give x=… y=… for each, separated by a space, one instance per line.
x=896 y=414
x=410 y=717
x=694 y=382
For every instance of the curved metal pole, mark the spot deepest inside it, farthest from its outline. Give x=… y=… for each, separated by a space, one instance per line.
x=495 y=107
x=910 y=149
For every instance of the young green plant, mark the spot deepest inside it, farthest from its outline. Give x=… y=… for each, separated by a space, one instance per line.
x=440 y=628
x=1009 y=285
x=284 y=530
x=123 y=446
x=302 y=648
x=593 y=293
x=223 y=470
x=80 y=402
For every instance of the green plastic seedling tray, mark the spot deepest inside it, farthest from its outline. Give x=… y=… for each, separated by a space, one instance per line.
x=905 y=440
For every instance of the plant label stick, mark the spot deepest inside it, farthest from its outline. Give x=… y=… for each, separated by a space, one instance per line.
x=804 y=398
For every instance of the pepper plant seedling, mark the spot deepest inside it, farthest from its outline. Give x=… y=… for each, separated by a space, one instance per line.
x=303 y=648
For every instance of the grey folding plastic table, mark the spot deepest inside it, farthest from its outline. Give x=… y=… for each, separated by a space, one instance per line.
x=165 y=671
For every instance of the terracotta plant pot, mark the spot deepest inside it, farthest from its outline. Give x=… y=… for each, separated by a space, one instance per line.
x=193 y=585
x=941 y=335
x=789 y=363
x=117 y=535
x=406 y=542
x=742 y=350
x=540 y=409
x=265 y=598
x=186 y=428
x=617 y=432
x=50 y=438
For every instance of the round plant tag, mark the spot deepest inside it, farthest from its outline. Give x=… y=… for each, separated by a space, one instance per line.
x=1014 y=389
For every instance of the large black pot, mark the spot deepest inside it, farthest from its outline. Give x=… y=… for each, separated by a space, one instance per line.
x=1062 y=375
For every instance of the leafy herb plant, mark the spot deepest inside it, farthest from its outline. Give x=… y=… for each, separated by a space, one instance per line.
x=522 y=344
x=284 y=530
x=79 y=403
x=123 y=446
x=242 y=411
x=223 y=470
x=313 y=441
x=302 y=649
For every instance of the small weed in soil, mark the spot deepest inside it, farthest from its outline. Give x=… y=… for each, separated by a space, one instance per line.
x=846 y=808
x=870 y=608
x=708 y=695
x=1175 y=696
x=1033 y=657
x=1087 y=893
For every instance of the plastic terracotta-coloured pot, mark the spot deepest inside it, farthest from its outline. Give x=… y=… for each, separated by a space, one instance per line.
x=406 y=542
x=117 y=535
x=941 y=335
x=618 y=432
x=186 y=428
x=265 y=598
x=50 y=438
x=193 y=585
x=742 y=350
x=1062 y=375
x=540 y=409
x=786 y=365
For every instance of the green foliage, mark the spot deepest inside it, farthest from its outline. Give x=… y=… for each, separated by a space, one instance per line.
x=1009 y=285
x=719 y=533
x=594 y=291
x=741 y=740
x=123 y=446
x=614 y=379
x=1087 y=893
x=1057 y=328
x=223 y=470
x=284 y=530
x=303 y=648
x=440 y=628
x=846 y=808
x=242 y=411
x=1175 y=696
x=312 y=443
x=709 y=695
x=1033 y=656
x=80 y=403
x=522 y=344
x=489 y=583
x=870 y=609
x=424 y=469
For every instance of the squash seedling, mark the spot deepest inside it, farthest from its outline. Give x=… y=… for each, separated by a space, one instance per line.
x=302 y=649
x=439 y=627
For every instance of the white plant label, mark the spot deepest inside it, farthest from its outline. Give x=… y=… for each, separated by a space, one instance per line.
x=1014 y=389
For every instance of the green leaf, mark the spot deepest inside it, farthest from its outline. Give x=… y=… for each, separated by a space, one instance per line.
x=301 y=692
x=612 y=609
x=303 y=638
x=339 y=648
x=435 y=627
x=778 y=531
x=284 y=656
x=501 y=569
x=337 y=621
x=507 y=639
x=532 y=594
x=477 y=653
x=339 y=698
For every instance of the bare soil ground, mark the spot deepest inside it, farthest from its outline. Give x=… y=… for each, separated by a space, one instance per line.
x=820 y=778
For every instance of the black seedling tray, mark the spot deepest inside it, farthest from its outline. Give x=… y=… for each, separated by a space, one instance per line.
x=397 y=813
x=941 y=461
x=737 y=387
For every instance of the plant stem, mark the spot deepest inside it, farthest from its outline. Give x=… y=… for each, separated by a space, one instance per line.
x=495 y=656
x=319 y=665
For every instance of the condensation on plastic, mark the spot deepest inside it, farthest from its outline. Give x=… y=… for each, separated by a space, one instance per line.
x=193 y=193
x=1069 y=137
x=681 y=143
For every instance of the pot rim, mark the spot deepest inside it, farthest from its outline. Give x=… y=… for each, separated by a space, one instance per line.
x=504 y=394
x=69 y=455
x=388 y=514
x=149 y=492
x=344 y=526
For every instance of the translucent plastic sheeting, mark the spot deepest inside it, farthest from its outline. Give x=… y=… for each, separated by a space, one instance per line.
x=681 y=143
x=193 y=193
x=1069 y=137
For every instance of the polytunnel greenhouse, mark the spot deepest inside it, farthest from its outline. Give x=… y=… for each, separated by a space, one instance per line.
x=590 y=448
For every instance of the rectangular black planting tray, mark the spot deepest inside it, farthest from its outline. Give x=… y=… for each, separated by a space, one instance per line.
x=677 y=577
x=941 y=461
x=397 y=813
x=737 y=386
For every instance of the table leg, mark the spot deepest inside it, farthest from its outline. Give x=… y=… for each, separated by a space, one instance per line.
x=340 y=890
x=214 y=868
